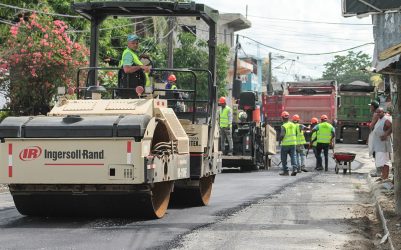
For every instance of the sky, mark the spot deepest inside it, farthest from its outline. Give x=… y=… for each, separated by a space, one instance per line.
x=302 y=26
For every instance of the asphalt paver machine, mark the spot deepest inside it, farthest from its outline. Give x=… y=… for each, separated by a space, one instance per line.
x=118 y=156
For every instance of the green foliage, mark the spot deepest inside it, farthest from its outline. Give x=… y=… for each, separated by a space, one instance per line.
x=192 y=54
x=3 y=115
x=41 y=57
x=348 y=68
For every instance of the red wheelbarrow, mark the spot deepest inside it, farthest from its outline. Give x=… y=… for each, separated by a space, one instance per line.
x=343 y=161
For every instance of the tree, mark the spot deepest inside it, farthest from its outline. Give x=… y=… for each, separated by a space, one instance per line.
x=348 y=68
x=192 y=54
x=40 y=58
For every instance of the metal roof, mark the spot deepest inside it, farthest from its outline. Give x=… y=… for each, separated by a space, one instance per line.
x=98 y=8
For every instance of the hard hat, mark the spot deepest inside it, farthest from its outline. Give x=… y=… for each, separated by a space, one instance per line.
x=314 y=120
x=285 y=114
x=172 y=78
x=323 y=117
x=132 y=37
x=222 y=100
x=295 y=118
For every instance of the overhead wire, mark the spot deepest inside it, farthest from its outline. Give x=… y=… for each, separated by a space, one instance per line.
x=38 y=11
x=311 y=21
x=309 y=54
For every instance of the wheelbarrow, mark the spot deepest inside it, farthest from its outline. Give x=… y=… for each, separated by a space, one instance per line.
x=343 y=161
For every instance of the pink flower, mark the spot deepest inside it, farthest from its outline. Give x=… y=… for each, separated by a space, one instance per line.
x=14 y=30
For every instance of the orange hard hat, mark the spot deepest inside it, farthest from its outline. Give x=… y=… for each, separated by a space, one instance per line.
x=323 y=117
x=172 y=78
x=314 y=120
x=285 y=114
x=222 y=100
x=295 y=118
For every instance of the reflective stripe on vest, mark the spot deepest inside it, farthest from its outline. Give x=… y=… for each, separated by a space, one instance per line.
x=290 y=138
x=136 y=61
x=300 y=136
x=224 y=119
x=324 y=132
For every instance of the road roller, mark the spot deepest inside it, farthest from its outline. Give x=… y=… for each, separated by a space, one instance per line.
x=124 y=156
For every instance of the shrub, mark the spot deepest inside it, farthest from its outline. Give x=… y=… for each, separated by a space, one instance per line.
x=41 y=58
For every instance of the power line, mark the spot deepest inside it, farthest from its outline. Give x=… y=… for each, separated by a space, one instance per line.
x=38 y=11
x=310 y=21
x=309 y=54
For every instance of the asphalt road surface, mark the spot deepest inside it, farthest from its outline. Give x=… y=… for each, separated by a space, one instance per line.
x=244 y=211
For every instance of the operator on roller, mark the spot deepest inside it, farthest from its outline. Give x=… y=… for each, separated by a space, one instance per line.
x=133 y=73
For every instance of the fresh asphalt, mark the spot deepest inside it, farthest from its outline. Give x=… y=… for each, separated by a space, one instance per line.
x=248 y=210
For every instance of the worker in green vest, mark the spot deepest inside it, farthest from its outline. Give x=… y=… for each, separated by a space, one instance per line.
x=313 y=139
x=325 y=133
x=134 y=73
x=300 y=153
x=225 y=123
x=288 y=141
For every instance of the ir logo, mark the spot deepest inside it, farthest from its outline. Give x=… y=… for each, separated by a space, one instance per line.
x=30 y=153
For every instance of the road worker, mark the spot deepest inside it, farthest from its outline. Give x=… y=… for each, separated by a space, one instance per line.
x=133 y=70
x=300 y=152
x=288 y=140
x=313 y=140
x=325 y=133
x=225 y=123
x=171 y=82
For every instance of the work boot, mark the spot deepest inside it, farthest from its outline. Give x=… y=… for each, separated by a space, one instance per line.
x=326 y=168
x=230 y=154
x=319 y=168
x=303 y=169
x=299 y=170
x=284 y=173
x=293 y=173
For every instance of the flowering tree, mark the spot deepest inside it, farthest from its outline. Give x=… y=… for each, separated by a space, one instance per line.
x=40 y=58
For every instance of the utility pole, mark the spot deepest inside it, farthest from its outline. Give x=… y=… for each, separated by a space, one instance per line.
x=235 y=89
x=170 y=59
x=397 y=143
x=269 y=85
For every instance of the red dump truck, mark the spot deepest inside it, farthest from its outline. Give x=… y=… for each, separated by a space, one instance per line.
x=307 y=99
x=311 y=99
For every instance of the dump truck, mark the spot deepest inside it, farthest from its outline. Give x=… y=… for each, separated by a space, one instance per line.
x=116 y=157
x=353 y=114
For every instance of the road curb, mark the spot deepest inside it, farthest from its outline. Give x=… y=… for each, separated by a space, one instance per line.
x=375 y=193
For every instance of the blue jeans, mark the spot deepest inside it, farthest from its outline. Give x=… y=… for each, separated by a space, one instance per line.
x=291 y=150
x=300 y=156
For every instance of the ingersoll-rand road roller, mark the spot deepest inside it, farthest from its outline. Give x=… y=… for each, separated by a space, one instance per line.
x=122 y=156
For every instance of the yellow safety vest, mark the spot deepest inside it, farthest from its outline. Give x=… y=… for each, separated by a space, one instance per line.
x=136 y=61
x=324 y=132
x=224 y=117
x=300 y=136
x=290 y=138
